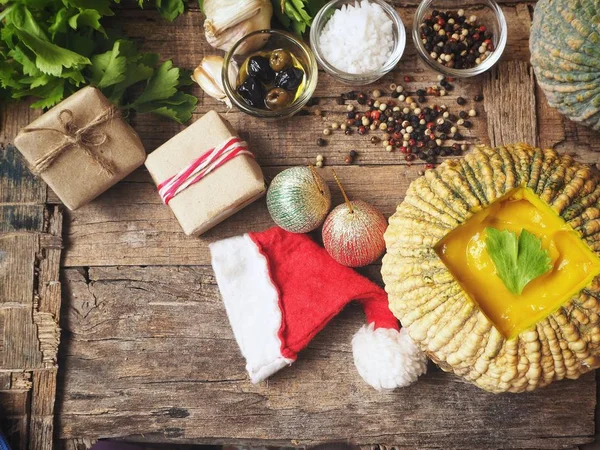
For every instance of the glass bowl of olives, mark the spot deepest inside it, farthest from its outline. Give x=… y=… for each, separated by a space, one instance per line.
x=274 y=82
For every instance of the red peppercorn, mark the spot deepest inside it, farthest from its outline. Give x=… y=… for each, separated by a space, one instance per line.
x=450 y=79
x=397 y=135
x=441 y=22
x=430 y=125
x=369 y=114
x=476 y=36
x=350 y=122
x=488 y=42
x=482 y=28
x=362 y=130
x=404 y=149
x=375 y=115
x=376 y=122
x=407 y=79
x=429 y=166
x=409 y=157
x=420 y=144
x=391 y=103
x=412 y=142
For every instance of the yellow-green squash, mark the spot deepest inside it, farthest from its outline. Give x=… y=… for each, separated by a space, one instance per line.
x=454 y=323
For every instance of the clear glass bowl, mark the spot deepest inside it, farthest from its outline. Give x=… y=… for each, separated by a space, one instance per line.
x=274 y=39
x=488 y=13
x=398 y=30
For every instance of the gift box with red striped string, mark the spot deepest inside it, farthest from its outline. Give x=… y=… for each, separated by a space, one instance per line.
x=205 y=174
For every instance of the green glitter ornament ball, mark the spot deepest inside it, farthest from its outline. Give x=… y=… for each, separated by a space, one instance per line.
x=298 y=199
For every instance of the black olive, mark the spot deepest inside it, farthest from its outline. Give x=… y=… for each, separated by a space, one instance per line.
x=280 y=59
x=253 y=92
x=277 y=98
x=258 y=66
x=289 y=79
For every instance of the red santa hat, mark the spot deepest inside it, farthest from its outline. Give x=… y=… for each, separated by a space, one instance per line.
x=280 y=289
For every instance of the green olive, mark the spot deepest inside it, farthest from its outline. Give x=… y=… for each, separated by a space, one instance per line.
x=280 y=59
x=277 y=98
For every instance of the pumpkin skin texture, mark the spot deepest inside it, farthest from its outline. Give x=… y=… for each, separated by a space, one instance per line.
x=566 y=59
x=438 y=314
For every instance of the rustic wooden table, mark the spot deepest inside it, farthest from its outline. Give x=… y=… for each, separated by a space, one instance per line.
x=146 y=351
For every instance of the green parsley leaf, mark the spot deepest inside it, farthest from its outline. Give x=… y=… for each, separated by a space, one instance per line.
x=170 y=9
x=517 y=260
x=108 y=68
x=161 y=86
x=87 y=18
x=50 y=58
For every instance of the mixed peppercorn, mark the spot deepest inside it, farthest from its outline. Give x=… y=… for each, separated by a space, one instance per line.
x=455 y=40
x=417 y=130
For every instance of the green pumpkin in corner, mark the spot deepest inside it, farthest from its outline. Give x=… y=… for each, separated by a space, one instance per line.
x=565 y=54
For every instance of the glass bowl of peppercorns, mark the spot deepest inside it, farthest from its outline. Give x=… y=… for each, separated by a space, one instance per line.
x=459 y=41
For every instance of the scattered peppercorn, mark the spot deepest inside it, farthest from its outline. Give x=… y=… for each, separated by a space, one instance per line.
x=326 y=131
x=467 y=124
x=339 y=100
x=351 y=95
x=376 y=93
x=407 y=79
x=348 y=159
x=461 y=101
x=374 y=140
x=353 y=153
x=362 y=98
x=478 y=98
x=318 y=112
x=321 y=142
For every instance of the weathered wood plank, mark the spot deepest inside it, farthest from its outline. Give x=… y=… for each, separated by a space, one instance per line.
x=149 y=355
x=30 y=247
x=130 y=225
x=293 y=141
x=509 y=91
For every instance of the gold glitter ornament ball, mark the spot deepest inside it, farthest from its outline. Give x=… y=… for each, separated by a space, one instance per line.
x=298 y=199
x=353 y=234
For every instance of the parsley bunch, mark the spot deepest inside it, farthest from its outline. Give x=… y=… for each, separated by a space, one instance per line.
x=51 y=48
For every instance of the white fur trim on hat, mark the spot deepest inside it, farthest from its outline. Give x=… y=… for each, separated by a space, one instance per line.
x=252 y=304
x=386 y=358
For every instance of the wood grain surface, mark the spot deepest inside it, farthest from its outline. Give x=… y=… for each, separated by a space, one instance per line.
x=30 y=296
x=147 y=353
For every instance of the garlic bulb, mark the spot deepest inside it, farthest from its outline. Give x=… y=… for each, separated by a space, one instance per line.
x=208 y=76
x=227 y=21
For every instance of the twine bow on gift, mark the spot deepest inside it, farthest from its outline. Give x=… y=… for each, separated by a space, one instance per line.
x=84 y=138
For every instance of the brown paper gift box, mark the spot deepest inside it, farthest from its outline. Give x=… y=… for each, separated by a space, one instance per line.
x=219 y=194
x=74 y=176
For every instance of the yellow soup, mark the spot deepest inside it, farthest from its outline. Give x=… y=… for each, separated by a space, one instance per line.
x=574 y=264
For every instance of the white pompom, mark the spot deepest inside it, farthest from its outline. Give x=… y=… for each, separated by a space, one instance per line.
x=386 y=358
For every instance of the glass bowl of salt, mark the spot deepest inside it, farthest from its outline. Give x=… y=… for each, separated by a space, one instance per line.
x=357 y=42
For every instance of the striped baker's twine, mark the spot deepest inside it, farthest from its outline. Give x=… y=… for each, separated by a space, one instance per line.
x=202 y=166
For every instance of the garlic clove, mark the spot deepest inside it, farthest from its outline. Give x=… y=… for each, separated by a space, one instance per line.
x=227 y=21
x=208 y=76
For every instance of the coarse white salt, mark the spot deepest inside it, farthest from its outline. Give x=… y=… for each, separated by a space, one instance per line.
x=358 y=39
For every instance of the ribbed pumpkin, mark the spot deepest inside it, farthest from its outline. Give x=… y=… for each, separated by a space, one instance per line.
x=566 y=57
x=436 y=311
